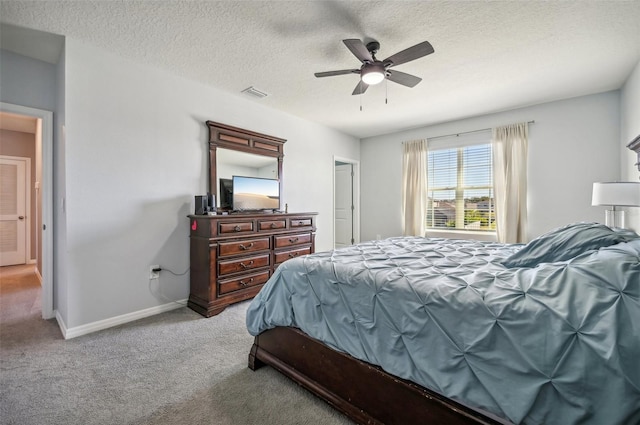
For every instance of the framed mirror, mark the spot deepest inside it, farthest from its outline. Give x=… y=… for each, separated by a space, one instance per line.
x=237 y=152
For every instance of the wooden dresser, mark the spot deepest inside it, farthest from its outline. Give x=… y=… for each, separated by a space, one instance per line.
x=233 y=255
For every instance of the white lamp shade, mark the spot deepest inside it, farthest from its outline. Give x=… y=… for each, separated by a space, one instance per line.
x=622 y=194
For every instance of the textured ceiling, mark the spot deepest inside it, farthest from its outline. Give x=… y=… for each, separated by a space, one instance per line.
x=489 y=56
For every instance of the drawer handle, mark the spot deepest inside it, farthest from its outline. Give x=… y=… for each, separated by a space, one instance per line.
x=273 y=225
x=246 y=266
x=293 y=240
x=293 y=254
x=243 y=247
x=237 y=228
x=301 y=223
x=245 y=283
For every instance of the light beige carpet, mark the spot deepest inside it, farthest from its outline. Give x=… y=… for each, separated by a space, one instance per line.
x=173 y=368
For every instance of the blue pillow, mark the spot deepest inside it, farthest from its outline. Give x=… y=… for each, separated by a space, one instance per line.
x=567 y=242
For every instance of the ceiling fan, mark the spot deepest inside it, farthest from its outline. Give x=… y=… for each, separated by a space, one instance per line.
x=373 y=71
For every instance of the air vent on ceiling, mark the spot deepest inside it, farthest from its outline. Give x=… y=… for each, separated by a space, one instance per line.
x=254 y=92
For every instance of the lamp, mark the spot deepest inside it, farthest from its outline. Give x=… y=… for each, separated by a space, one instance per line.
x=372 y=73
x=616 y=194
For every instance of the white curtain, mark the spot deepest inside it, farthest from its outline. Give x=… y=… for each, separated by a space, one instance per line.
x=510 y=181
x=414 y=187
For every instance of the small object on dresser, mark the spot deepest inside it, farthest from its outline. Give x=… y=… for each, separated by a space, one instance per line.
x=205 y=204
x=201 y=205
x=211 y=203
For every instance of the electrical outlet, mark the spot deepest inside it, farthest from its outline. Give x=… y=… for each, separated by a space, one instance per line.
x=154 y=274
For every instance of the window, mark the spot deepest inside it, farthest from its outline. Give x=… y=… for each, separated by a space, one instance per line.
x=460 y=188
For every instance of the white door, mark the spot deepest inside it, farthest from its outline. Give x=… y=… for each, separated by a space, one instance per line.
x=13 y=211
x=343 y=205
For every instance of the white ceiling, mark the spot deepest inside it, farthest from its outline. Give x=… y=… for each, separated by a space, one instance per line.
x=489 y=56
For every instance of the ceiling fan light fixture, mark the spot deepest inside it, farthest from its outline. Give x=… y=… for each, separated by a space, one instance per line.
x=373 y=71
x=373 y=74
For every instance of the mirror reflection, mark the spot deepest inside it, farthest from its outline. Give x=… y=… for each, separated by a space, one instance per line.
x=235 y=163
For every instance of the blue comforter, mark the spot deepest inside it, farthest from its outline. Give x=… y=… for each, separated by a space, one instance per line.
x=558 y=343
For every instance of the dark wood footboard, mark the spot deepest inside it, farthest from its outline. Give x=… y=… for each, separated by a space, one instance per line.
x=363 y=392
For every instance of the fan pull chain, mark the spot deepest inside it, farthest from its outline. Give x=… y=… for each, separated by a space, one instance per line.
x=360 y=99
x=386 y=90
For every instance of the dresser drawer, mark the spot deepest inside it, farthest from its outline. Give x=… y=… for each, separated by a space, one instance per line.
x=272 y=224
x=243 y=247
x=226 y=286
x=293 y=253
x=242 y=264
x=237 y=227
x=300 y=222
x=292 y=240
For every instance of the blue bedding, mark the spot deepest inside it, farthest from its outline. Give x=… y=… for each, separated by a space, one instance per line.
x=555 y=343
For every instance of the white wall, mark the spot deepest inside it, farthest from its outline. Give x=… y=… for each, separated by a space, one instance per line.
x=27 y=82
x=60 y=291
x=630 y=129
x=572 y=144
x=136 y=154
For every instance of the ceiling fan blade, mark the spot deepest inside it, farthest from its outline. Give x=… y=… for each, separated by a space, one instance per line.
x=419 y=50
x=403 y=78
x=358 y=49
x=341 y=72
x=360 y=88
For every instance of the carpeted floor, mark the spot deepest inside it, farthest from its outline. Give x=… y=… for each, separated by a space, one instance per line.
x=173 y=368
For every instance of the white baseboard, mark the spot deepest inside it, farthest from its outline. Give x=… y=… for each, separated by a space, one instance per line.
x=38 y=275
x=76 y=331
x=61 y=325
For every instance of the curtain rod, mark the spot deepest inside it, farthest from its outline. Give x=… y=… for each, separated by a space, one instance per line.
x=466 y=132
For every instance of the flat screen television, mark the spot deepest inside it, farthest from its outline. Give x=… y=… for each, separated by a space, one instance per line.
x=255 y=193
x=226 y=194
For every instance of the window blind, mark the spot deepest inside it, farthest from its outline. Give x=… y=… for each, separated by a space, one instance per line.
x=460 y=185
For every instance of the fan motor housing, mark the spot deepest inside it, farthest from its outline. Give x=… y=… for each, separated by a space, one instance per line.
x=376 y=66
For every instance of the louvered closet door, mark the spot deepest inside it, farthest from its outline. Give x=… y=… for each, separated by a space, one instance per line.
x=12 y=212
x=343 y=195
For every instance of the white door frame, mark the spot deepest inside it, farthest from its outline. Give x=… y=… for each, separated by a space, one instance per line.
x=46 y=188
x=27 y=204
x=356 y=197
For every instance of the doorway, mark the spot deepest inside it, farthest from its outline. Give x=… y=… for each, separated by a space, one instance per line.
x=15 y=208
x=17 y=121
x=346 y=202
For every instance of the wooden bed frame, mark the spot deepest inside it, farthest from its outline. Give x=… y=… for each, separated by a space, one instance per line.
x=363 y=392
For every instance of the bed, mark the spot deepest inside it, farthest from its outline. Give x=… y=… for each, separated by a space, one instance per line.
x=428 y=330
